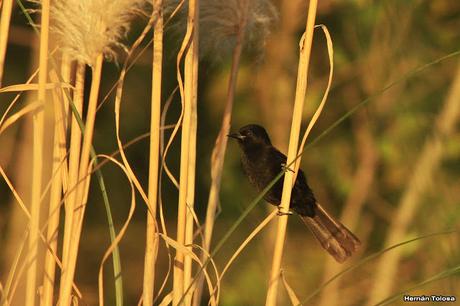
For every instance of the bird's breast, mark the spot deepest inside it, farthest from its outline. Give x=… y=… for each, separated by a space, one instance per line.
x=258 y=171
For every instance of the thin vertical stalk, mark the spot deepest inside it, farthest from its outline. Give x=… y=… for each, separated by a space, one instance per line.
x=289 y=177
x=66 y=71
x=151 y=247
x=74 y=159
x=4 y=29
x=83 y=185
x=218 y=154
x=190 y=201
x=38 y=121
x=189 y=98
x=191 y=67
x=59 y=144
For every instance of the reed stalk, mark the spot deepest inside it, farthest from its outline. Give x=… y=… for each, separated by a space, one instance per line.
x=4 y=29
x=189 y=96
x=191 y=89
x=82 y=187
x=74 y=159
x=289 y=177
x=57 y=186
x=38 y=121
x=151 y=247
x=220 y=147
x=190 y=202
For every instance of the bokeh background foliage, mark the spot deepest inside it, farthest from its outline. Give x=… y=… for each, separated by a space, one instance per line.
x=390 y=170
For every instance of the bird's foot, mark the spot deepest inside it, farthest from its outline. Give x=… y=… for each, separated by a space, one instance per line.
x=285 y=168
x=283 y=213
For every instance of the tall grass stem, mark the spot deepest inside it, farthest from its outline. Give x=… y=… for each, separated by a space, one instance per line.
x=188 y=96
x=289 y=178
x=38 y=120
x=7 y=7
x=152 y=239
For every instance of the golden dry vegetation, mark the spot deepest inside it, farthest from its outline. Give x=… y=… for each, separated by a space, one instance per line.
x=119 y=186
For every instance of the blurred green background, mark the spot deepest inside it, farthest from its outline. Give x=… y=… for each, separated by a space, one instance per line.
x=363 y=170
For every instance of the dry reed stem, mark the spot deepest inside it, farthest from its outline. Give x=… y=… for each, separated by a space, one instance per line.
x=218 y=153
x=178 y=276
x=188 y=251
x=151 y=245
x=83 y=185
x=38 y=120
x=59 y=154
x=75 y=146
x=289 y=177
x=190 y=216
x=163 y=153
x=291 y=294
x=4 y=29
x=66 y=74
x=188 y=97
x=74 y=159
x=191 y=91
x=330 y=264
x=132 y=175
x=28 y=215
x=428 y=161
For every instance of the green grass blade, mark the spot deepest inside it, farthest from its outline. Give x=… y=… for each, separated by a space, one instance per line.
x=116 y=251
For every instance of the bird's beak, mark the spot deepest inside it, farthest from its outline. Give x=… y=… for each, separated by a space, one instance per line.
x=237 y=136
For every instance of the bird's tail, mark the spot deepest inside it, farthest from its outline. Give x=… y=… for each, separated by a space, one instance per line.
x=333 y=236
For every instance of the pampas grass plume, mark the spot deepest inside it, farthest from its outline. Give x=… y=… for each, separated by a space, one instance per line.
x=221 y=21
x=87 y=28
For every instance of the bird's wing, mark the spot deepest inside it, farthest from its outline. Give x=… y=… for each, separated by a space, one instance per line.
x=280 y=159
x=302 y=198
x=277 y=160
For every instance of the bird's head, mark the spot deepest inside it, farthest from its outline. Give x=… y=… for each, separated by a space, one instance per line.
x=251 y=135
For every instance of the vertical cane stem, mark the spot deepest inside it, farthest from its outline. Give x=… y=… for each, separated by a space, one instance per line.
x=289 y=177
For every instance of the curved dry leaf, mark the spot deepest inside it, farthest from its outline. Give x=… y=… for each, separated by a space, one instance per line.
x=167 y=300
x=292 y=296
x=330 y=51
x=16 y=116
x=33 y=87
x=182 y=248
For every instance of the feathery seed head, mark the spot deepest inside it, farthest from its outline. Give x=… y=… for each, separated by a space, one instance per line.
x=221 y=21
x=87 y=28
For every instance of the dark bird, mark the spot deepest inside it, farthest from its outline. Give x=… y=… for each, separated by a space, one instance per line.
x=262 y=162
